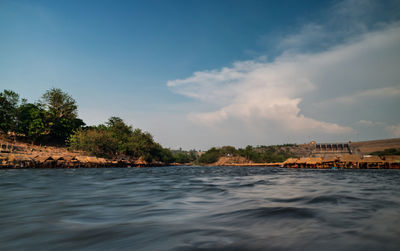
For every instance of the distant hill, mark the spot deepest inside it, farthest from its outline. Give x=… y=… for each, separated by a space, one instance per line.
x=259 y=154
x=367 y=147
x=360 y=148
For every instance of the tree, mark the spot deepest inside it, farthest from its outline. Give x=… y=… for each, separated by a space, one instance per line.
x=120 y=131
x=166 y=155
x=97 y=141
x=61 y=129
x=141 y=144
x=228 y=150
x=116 y=138
x=248 y=152
x=210 y=156
x=31 y=121
x=60 y=104
x=182 y=157
x=61 y=114
x=8 y=110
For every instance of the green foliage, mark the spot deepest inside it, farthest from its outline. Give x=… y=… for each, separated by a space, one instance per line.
x=62 y=128
x=61 y=114
x=119 y=129
x=248 y=153
x=99 y=142
x=8 y=110
x=54 y=120
x=227 y=150
x=259 y=154
x=183 y=157
x=59 y=104
x=389 y=151
x=31 y=121
x=262 y=154
x=117 y=138
x=165 y=155
x=141 y=144
x=210 y=156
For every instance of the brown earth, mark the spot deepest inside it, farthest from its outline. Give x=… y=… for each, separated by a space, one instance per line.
x=10 y=146
x=361 y=147
x=226 y=161
x=367 y=147
x=305 y=150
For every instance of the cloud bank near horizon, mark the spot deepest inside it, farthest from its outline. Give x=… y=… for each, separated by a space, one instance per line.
x=271 y=92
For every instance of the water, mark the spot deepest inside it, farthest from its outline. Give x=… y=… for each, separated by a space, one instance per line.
x=199 y=208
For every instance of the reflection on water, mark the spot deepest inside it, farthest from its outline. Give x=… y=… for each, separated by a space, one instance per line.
x=199 y=208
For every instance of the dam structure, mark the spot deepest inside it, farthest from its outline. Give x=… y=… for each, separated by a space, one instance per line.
x=324 y=149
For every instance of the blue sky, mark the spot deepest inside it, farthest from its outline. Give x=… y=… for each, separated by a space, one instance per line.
x=186 y=70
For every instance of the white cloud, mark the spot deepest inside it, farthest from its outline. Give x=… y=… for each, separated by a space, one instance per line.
x=330 y=73
x=342 y=21
x=307 y=36
x=271 y=92
x=369 y=123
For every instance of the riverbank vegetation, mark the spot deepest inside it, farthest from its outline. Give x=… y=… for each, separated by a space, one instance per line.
x=53 y=120
x=258 y=154
x=115 y=138
x=388 y=151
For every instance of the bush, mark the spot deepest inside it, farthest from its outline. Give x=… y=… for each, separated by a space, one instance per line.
x=210 y=156
x=389 y=151
x=117 y=138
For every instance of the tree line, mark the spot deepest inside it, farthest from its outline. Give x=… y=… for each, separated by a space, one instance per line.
x=258 y=154
x=388 y=151
x=54 y=120
x=115 y=138
x=50 y=120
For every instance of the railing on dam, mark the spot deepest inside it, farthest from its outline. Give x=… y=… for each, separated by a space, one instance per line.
x=327 y=148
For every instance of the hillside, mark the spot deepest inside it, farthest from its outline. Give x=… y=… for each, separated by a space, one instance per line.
x=19 y=147
x=367 y=147
x=19 y=154
x=253 y=156
x=361 y=147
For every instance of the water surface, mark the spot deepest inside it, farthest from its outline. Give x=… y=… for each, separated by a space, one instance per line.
x=199 y=208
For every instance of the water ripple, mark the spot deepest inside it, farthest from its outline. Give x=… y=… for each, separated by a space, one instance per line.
x=199 y=208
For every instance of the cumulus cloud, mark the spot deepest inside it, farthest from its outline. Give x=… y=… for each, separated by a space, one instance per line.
x=273 y=91
x=332 y=79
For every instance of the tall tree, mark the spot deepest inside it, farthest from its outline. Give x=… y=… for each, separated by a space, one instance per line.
x=60 y=104
x=120 y=130
x=8 y=110
x=61 y=114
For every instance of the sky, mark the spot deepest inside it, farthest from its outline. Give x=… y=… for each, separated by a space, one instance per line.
x=197 y=74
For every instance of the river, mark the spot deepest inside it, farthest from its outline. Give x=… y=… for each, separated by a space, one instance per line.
x=199 y=208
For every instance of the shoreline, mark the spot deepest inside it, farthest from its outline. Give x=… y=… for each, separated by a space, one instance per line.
x=25 y=161
x=70 y=160
x=21 y=155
